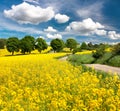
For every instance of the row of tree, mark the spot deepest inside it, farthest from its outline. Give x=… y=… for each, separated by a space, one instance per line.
x=26 y=44
x=29 y=43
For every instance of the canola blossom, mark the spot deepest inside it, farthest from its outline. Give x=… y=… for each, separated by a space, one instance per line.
x=42 y=83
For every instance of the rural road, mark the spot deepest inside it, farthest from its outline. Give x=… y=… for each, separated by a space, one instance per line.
x=105 y=68
x=100 y=67
x=63 y=58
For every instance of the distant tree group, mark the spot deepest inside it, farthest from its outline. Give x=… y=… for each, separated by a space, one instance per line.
x=2 y=43
x=28 y=43
x=25 y=45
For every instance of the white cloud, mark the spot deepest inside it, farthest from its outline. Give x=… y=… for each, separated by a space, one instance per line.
x=5 y=25
x=86 y=27
x=100 y=32
x=50 y=29
x=113 y=35
x=61 y=18
x=25 y=13
x=32 y=1
x=50 y=36
x=93 y=10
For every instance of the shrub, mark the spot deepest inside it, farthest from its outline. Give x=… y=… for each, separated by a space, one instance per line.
x=115 y=61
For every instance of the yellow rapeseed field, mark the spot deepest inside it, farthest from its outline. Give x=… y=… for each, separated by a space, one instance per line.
x=41 y=83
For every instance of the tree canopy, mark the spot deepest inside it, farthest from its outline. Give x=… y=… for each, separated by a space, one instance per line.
x=84 y=46
x=40 y=44
x=57 y=44
x=71 y=43
x=27 y=44
x=12 y=44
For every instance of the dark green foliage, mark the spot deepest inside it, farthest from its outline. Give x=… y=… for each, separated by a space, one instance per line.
x=41 y=44
x=75 y=50
x=27 y=44
x=99 y=52
x=57 y=44
x=71 y=43
x=115 y=61
x=104 y=60
x=116 y=49
x=2 y=43
x=12 y=44
x=90 y=46
x=84 y=46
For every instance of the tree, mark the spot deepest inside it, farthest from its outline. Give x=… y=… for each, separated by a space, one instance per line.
x=27 y=44
x=12 y=44
x=116 y=49
x=99 y=52
x=57 y=44
x=84 y=46
x=2 y=43
x=41 y=44
x=71 y=43
x=90 y=46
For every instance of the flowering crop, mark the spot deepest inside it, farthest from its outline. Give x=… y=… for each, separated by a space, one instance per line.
x=41 y=83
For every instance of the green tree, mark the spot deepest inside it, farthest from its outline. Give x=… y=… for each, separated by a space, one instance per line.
x=12 y=44
x=41 y=44
x=27 y=44
x=99 y=52
x=71 y=43
x=84 y=46
x=57 y=44
x=116 y=49
x=90 y=46
x=2 y=43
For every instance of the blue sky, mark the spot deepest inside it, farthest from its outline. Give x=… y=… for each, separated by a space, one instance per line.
x=93 y=21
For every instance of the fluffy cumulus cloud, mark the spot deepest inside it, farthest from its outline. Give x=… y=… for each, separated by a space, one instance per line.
x=50 y=36
x=61 y=18
x=50 y=29
x=25 y=13
x=92 y=10
x=113 y=35
x=85 y=27
x=33 y=1
x=100 y=32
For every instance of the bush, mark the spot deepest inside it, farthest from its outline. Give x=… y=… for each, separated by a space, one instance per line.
x=2 y=43
x=99 y=52
x=115 y=61
x=116 y=49
x=81 y=59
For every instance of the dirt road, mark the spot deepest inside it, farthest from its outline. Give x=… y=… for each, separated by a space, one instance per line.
x=100 y=67
x=105 y=68
x=63 y=58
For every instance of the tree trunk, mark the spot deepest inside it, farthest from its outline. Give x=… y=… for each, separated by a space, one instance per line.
x=13 y=53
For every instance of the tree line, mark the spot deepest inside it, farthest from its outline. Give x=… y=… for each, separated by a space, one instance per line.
x=29 y=43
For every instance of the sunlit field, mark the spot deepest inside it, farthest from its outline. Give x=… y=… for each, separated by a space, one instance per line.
x=39 y=82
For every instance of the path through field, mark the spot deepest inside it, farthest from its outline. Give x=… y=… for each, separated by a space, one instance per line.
x=100 y=67
x=105 y=68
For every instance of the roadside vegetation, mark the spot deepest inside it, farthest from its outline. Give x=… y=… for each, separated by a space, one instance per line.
x=101 y=56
